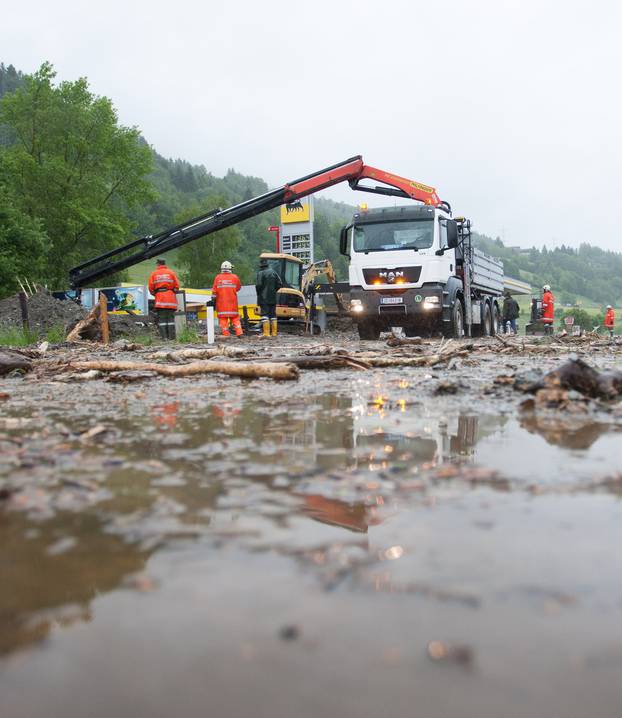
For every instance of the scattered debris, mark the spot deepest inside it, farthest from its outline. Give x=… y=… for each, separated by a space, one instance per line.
x=395 y=341
x=93 y=432
x=446 y=387
x=13 y=361
x=87 y=328
x=289 y=633
x=579 y=376
x=440 y=651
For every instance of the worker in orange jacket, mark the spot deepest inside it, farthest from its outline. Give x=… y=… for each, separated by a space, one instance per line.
x=610 y=320
x=548 y=309
x=225 y=292
x=163 y=284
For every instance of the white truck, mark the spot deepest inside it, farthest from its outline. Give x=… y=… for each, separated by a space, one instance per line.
x=415 y=267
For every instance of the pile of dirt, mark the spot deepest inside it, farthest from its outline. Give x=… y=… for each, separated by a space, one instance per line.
x=44 y=312
x=342 y=327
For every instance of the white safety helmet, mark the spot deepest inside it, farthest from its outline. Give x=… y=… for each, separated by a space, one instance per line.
x=609 y=306
x=546 y=288
x=226 y=266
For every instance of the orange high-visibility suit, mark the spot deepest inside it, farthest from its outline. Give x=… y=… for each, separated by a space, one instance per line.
x=548 y=308
x=162 y=284
x=225 y=291
x=610 y=319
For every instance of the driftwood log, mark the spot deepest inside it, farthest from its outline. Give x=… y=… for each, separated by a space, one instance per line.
x=427 y=360
x=249 y=370
x=206 y=353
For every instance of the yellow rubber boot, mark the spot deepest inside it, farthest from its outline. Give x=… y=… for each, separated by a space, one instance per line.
x=265 y=327
x=275 y=327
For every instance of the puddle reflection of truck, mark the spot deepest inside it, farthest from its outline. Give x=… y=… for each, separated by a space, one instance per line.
x=422 y=440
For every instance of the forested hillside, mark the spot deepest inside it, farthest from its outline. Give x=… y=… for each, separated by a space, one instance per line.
x=60 y=205
x=574 y=274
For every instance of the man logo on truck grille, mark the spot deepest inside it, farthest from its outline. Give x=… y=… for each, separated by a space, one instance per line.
x=390 y=276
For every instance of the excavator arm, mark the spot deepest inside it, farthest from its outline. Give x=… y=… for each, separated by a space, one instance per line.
x=352 y=170
x=321 y=268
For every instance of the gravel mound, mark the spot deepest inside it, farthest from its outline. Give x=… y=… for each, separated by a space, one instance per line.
x=44 y=312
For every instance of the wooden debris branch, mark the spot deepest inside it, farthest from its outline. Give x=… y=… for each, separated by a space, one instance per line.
x=103 y=318
x=427 y=360
x=334 y=361
x=249 y=370
x=207 y=353
x=87 y=328
x=394 y=341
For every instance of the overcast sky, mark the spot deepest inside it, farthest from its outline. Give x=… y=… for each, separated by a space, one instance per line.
x=510 y=108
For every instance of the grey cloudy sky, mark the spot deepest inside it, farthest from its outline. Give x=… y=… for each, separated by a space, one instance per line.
x=510 y=108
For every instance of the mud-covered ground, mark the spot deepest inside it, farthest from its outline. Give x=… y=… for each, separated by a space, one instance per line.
x=398 y=541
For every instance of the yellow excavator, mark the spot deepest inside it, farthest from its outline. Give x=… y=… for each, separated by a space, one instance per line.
x=295 y=298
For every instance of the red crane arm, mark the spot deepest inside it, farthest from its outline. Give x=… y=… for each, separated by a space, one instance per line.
x=415 y=190
x=353 y=172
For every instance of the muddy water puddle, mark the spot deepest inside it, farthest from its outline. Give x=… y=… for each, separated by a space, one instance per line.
x=351 y=545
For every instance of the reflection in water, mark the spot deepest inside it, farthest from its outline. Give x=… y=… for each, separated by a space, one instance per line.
x=231 y=465
x=559 y=432
x=165 y=415
x=352 y=516
x=170 y=471
x=50 y=580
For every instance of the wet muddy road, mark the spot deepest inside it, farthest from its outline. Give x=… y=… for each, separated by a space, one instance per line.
x=356 y=543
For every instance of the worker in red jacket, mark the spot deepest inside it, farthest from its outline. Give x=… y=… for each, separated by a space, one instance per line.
x=610 y=320
x=548 y=309
x=163 y=284
x=225 y=292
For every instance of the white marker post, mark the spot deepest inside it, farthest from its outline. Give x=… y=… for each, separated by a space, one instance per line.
x=209 y=320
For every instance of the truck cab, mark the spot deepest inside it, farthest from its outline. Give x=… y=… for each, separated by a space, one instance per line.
x=403 y=262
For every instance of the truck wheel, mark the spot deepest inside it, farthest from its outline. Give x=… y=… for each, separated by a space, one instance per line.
x=368 y=331
x=456 y=330
x=487 y=323
x=495 y=320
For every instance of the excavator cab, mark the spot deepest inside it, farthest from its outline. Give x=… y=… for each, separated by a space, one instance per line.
x=291 y=302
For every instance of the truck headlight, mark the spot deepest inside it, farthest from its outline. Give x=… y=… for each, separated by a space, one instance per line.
x=356 y=305
x=431 y=302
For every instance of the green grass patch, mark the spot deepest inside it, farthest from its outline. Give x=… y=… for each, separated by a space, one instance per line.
x=146 y=339
x=55 y=334
x=188 y=336
x=17 y=337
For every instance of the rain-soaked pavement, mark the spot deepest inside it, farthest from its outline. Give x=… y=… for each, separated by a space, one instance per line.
x=350 y=544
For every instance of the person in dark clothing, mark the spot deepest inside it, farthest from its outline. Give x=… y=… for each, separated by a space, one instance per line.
x=511 y=311
x=267 y=285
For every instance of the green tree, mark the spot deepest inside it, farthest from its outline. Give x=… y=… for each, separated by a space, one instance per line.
x=200 y=260
x=22 y=244
x=73 y=167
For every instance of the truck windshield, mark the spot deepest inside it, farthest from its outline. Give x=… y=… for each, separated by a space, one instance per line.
x=389 y=236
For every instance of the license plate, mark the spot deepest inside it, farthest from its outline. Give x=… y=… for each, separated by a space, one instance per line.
x=391 y=300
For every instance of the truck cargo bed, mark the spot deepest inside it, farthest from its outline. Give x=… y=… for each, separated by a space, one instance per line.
x=487 y=273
